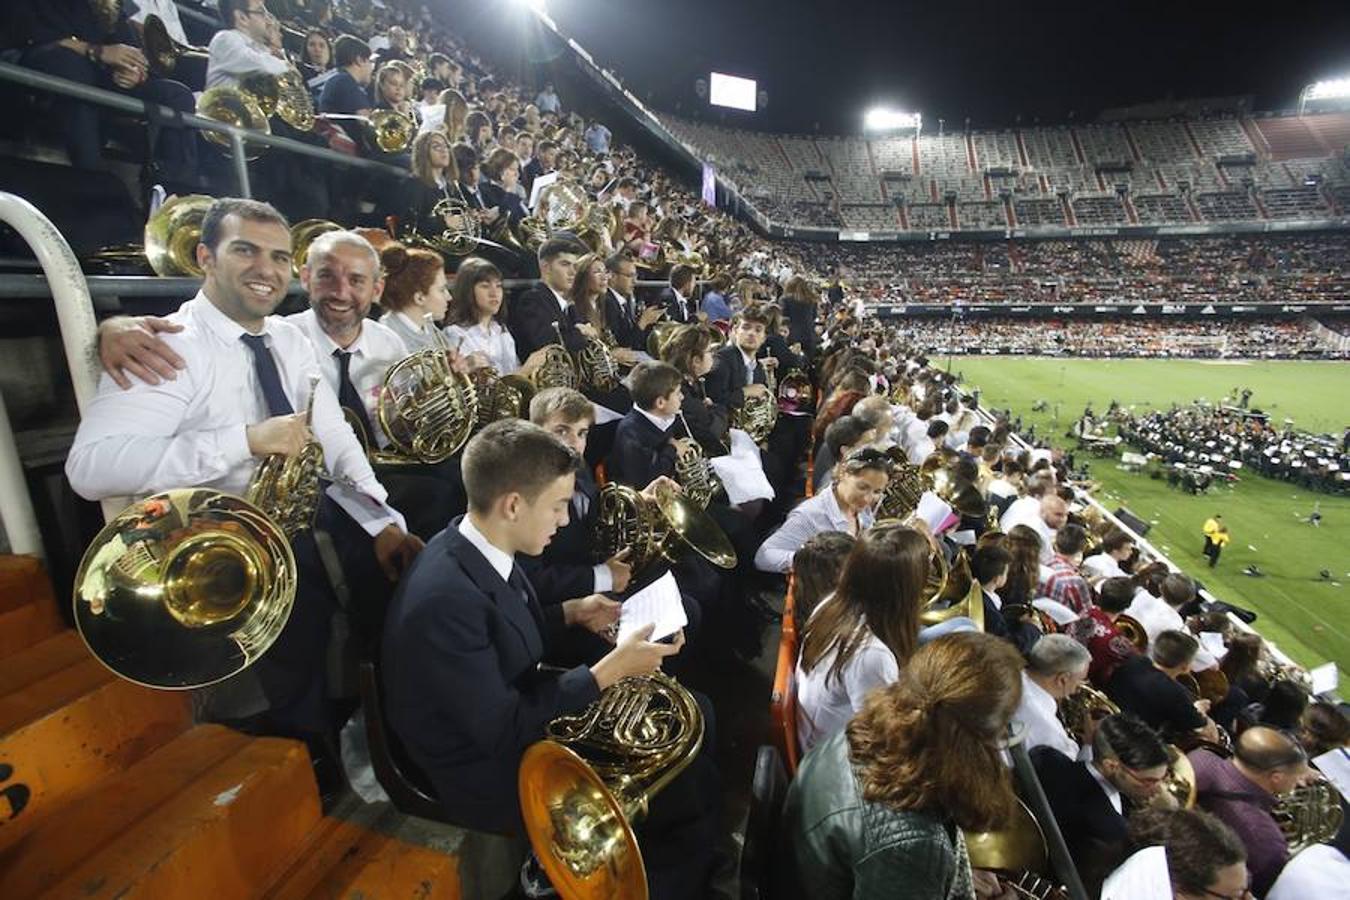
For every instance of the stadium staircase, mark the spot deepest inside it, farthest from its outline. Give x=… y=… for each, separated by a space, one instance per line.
x=1195 y=142
x=1296 y=137
x=108 y=789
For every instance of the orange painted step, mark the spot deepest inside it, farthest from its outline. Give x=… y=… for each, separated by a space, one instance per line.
x=346 y=861
x=212 y=813
x=68 y=725
x=28 y=611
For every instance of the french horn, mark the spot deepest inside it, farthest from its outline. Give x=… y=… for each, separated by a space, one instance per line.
x=1311 y=813
x=236 y=107
x=288 y=487
x=427 y=409
x=1018 y=853
x=303 y=233
x=695 y=473
x=656 y=530
x=172 y=235
x=758 y=413
x=162 y=52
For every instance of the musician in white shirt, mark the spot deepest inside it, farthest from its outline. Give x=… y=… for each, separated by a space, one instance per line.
x=476 y=328
x=243 y=46
x=1116 y=548
x=247 y=378
x=1056 y=667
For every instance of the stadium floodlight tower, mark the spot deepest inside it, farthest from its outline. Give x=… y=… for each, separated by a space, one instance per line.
x=1331 y=95
x=882 y=120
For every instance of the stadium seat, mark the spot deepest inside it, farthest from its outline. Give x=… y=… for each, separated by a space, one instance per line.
x=783 y=700
x=768 y=789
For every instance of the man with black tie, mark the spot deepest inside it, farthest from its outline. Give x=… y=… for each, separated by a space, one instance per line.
x=534 y=314
x=466 y=632
x=1089 y=798
x=680 y=307
x=629 y=325
x=246 y=376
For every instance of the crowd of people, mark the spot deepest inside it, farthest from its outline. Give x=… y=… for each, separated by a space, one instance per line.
x=1284 y=269
x=1212 y=438
x=951 y=585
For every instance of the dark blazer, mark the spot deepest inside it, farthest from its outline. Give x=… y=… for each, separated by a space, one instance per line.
x=707 y=422
x=530 y=319
x=641 y=451
x=801 y=317
x=673 y=310
x=461 y=681
x=776 y=345
x=508 y=202
x=533 y=169
x=622 y=325
x=419 y=199
x=726 y=382
x=565 y=569
x=1093 y=830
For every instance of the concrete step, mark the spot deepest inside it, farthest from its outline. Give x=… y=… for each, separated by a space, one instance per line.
x=212 y=812
x=28 y=609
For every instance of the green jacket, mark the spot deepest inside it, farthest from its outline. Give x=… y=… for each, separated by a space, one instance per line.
x=845 y=848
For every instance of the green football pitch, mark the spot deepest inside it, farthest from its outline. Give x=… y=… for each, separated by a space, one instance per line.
x=1306 y=615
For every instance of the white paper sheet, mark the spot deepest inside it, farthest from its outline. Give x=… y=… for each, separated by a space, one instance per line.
x=658 y=603
x=1062 y=614
x=1335 y=765
x=1325 y=678
x=537 y=187
x=935 y=513
x=1142 y=877
x=742 y=471
x=604 y=415
x=1213 y=642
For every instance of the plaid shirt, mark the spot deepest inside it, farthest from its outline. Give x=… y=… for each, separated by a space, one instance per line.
x=1066 y=586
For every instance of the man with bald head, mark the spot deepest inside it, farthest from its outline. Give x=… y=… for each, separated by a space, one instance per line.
x=1041 y=510
x=1243 y=790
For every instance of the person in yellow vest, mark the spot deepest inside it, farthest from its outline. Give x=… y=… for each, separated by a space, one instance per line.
x=1216 y=536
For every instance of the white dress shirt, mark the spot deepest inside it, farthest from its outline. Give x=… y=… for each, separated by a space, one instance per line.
x=810 y=517
x=1318 y=871
x=825 y=704
x=1154 y=614
x=167 y=10
x=1044 y=729
x=921 y=450
x=190 y=432
x=1109 y=789
x=502 y=562
x=492 y=340
x=233 y=54
x=374 y=351
x=662 y=422
x=1027 y=511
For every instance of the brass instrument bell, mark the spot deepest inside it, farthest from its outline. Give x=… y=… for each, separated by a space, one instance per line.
x=657 y=529
x=172 y=235
x=303 y=234
x=184 y=589
x=162 y=52
x=232 y=106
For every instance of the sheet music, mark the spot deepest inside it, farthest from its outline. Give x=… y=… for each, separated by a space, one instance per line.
x=1335 y=765
x=658 y=603
x=538 y=186
x=1325 y=678
x=938 y=516
x=1143 y=876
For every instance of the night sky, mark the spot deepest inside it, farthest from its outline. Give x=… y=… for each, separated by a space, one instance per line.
x=823 y=63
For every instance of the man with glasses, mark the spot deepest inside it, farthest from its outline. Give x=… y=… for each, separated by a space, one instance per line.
x=1090 y=799
x=1056 y=667
x=629 y=325
x=1243 y=790
x=243 y=46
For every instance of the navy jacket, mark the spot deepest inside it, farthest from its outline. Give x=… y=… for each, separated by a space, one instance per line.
x=726 y=382
x=530 y=319
x=641 y=451
x=1094 y=831
x=461 y=681
x=565 y=569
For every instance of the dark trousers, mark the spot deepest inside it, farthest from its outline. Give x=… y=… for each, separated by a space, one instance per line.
x=1212 y=550
x=293 y=673
x=173 y=149
x=427 y=495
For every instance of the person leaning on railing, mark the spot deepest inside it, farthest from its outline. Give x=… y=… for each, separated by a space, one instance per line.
x=67 y=39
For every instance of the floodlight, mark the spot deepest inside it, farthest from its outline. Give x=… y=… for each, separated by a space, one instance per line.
x=1329 y=90
x=879 y=118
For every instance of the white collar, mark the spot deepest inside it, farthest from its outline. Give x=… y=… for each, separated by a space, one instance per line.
x=661 y=422
x=417 y=327
x=222 y=325
x=750 y=361
x=1037 y=697
x=1107 y=787
x=562 y=301
x=356 y=347
x=502 y=562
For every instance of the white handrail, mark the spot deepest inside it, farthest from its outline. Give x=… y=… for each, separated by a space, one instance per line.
x=79 y=331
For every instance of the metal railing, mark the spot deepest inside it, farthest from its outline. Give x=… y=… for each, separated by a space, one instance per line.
x=164 y=115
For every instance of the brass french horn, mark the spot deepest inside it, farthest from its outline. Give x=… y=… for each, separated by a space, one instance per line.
x=1309 y=814
x=1133 y=631
x=303 y=233
x=1019 y=853
x=427 y=409
x=695 y=473
x=172 y=235
x=657 y=529
x=184 y=589
x=232 y=106
x=758 y=414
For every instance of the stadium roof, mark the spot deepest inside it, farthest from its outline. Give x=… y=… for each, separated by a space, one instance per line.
x=823 y=64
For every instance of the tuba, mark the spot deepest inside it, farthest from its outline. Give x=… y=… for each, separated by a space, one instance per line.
x=172 y=235
x=695 y=473
x=594 y=774
x=288 y=487
x=1309 y=814
x=656 y=530
x=184 y=589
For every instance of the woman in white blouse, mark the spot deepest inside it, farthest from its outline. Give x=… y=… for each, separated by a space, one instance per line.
x=415 y=295
x=476 y=317
x=845 y=505
x=861 y=636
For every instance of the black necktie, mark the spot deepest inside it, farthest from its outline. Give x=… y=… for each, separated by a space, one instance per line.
x=348 y=397
x=265 y=366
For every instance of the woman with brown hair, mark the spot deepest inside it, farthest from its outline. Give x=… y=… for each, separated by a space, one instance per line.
x=435 y=178
x=476 y=322
x=690 y=349
x=858 y=638
x=588 y=293
x=877 y=811
x=415 y=296
x=1024 y=572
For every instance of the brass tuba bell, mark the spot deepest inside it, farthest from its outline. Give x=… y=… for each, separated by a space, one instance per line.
x=184 y=589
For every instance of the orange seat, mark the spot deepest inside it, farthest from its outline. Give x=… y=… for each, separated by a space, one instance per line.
x=600 y=479
x=783 y=700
